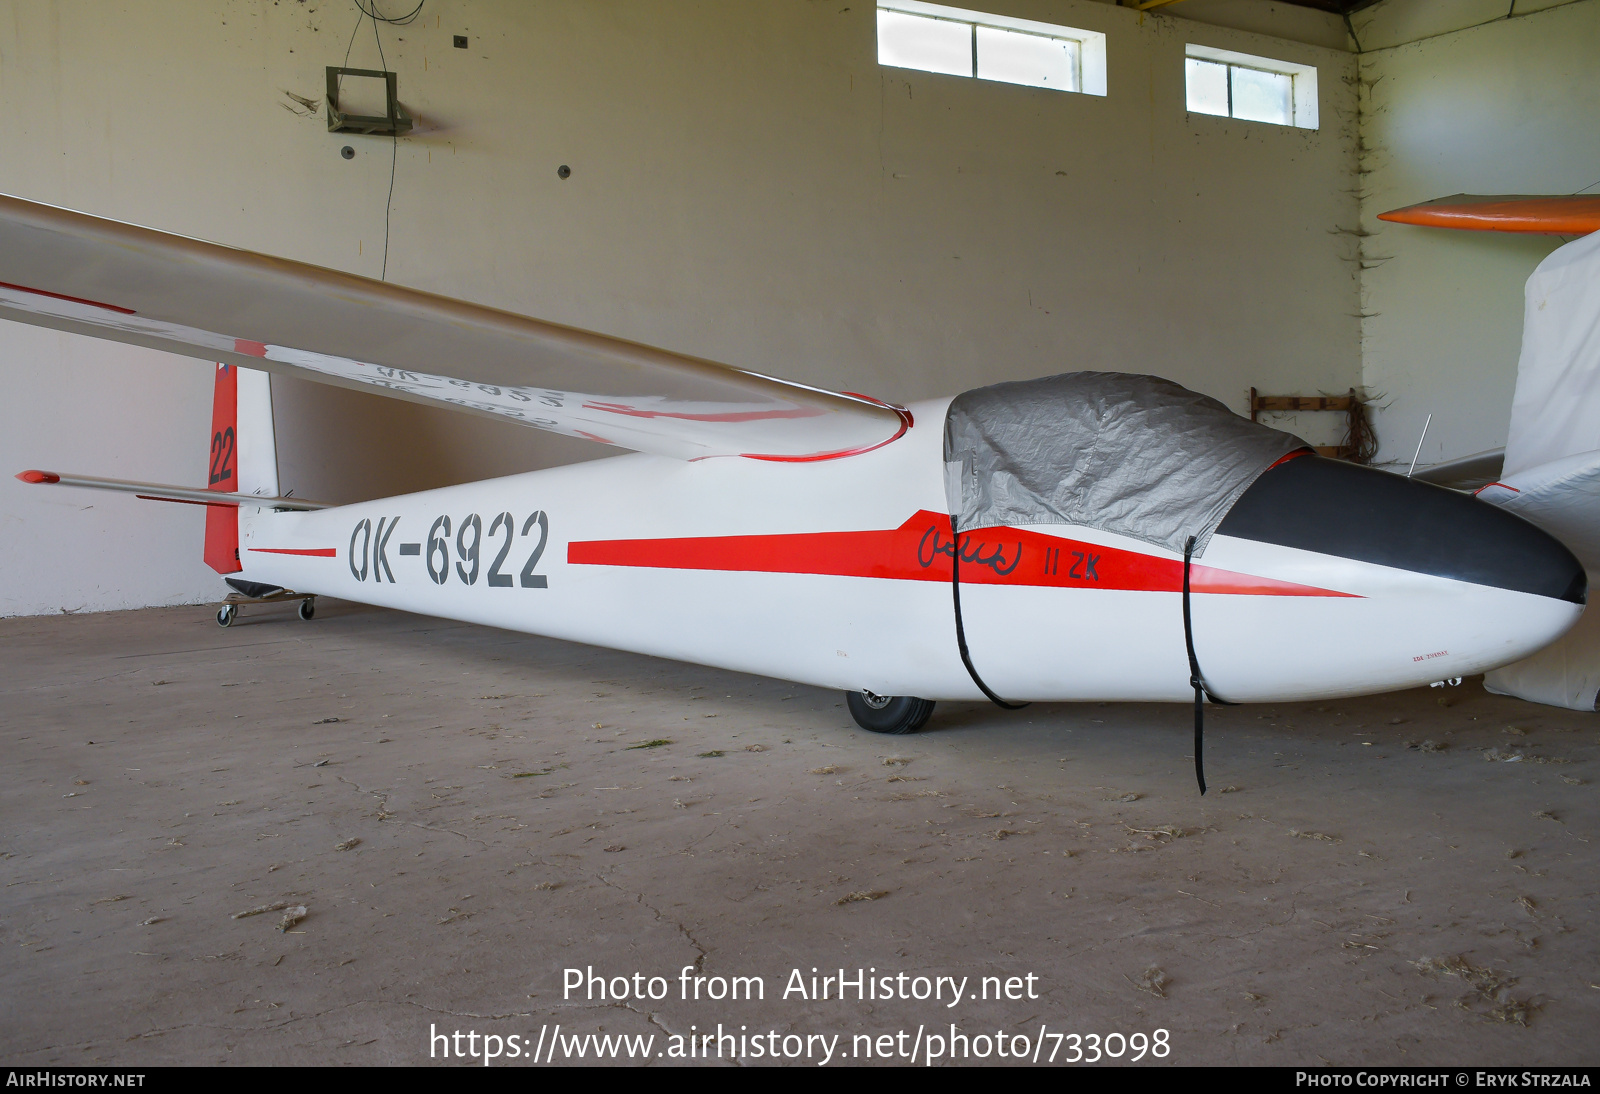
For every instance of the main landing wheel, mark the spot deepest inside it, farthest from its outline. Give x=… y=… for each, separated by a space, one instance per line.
x=308 y=608
x=226 y=614
x=888 y=713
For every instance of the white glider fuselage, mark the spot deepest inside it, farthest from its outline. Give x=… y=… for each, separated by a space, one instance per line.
x=837 y=573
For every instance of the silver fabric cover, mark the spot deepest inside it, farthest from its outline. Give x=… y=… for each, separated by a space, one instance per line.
x=1136 y=455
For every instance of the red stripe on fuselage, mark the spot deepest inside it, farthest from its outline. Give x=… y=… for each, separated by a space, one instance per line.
x=314 y=552
x=920 y=550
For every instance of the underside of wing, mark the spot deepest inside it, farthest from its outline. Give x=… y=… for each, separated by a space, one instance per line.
x=1466 y=473
x=1540 y=214
x=103 y=278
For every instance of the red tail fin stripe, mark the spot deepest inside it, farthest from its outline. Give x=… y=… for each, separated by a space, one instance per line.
x=222 y=524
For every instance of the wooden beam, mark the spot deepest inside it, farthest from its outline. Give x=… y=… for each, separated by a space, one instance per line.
x=1299 y=402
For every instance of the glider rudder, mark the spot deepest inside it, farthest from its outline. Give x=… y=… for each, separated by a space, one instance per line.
x=222 y=524
x=244 y=456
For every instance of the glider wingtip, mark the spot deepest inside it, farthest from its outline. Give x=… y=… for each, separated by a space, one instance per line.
x=1535 y=214
x=38 y=476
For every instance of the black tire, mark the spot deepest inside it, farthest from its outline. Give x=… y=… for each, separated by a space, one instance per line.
x=225 y=615
x=888 y=714
x=308 y=608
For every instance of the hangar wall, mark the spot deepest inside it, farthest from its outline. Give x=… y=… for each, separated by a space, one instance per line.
x=747 y=185
x=1459 y=98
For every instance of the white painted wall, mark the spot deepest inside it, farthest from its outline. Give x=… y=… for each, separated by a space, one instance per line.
x=747 y=185
x=1457 y=98
x=1271 y=17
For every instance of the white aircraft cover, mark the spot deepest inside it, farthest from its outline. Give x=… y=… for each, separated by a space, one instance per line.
x=1555 y=412
x=1146 y=457
x=1552 y=470
x=107 y=279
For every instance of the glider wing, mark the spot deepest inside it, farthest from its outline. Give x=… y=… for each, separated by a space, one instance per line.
x=1467 y=473
x=1541 y=214
x=104 y=278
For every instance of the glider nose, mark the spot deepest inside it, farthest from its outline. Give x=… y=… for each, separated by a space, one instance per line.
x=1341 y=509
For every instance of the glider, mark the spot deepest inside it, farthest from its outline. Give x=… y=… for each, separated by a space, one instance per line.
x=1084 y=536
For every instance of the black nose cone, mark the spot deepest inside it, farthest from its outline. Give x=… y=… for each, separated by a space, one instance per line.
x=1339 y=508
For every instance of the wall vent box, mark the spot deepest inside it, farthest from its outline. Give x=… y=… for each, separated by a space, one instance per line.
x=393 y=122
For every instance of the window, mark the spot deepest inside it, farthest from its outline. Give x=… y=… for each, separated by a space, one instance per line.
x=957 y=42
x=1253 y=89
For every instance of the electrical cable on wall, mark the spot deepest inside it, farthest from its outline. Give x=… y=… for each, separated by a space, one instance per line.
x=398 y=21
x=394 y=138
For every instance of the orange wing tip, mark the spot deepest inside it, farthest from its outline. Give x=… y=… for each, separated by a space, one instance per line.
x=1552 y=214
x=38 y=476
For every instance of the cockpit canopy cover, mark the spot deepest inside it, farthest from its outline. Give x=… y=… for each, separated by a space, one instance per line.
x=1136 y=455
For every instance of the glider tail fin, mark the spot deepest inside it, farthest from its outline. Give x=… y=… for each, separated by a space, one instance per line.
x=244 y=456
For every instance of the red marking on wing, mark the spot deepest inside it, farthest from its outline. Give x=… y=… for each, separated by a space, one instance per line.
x=38 y=476
x=314 y=552
x=1286 y=458
x=905 y=424
x=918 y=550
x=905 y=415
x=244 y=345
x=68 y=299
x=729 y=416
x=766 y=415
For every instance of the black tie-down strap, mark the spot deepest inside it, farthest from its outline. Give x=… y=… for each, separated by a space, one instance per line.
x=961 y=632
x=1196 y=679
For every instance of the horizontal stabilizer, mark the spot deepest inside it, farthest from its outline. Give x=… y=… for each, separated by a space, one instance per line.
x=155 y=491
x=103 y=278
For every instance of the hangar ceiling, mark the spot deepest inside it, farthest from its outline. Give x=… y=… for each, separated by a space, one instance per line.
x=1337 y=7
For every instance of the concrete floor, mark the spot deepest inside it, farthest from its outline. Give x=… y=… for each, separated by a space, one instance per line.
x=1402 y=879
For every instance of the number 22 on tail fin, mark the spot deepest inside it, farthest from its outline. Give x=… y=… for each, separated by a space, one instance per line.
x=222 y=522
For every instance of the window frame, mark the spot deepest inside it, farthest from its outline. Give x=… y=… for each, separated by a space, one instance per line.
x=1303 y=109
x=1091 y=59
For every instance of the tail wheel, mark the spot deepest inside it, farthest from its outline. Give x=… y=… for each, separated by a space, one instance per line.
x=308 y=608
x=226 y=615
x=888 y=713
